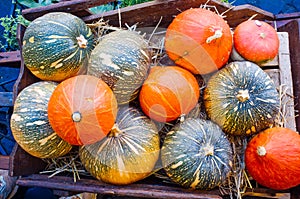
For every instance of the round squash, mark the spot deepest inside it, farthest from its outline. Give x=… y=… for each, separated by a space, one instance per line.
x=168 y=93
x=128 y=153
x=199 y=40
x=272 y=158
x=196 y=154
x=82 y=109
x=57 y=46
x=256 y=41
x=121 y=59
x=30 y=125
x=242 y=99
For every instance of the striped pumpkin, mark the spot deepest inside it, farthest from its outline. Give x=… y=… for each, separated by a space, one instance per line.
x=196 y=154
x=128 y=153
x=56 y=46
x=122 y=60
x=29 y=122
x=241 y=98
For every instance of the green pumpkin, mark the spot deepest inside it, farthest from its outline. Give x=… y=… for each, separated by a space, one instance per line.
x=30 y=125
x=128 y=153
x=122 y=60
x=196 y=154
x=242 y=99
x=57 y=46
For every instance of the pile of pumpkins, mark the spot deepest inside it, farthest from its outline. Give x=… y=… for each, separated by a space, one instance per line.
x=106 y=96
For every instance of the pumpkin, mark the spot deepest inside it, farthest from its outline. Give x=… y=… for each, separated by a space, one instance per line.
x=82 y=109
x=128 y=153
x=241 y=98
x=196 y=154
x=272 y=158
x=168 y=92
x=256 y=41
x=122 y=60
x=30 y=125
x=199 y=40
x=57 y=46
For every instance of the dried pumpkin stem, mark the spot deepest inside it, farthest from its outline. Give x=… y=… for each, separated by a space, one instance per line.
x=76 y=116
x=208 y=150
x=261 y=151
x=218 y=34
x=243 y=95
x=82 y=42
x=115 y=131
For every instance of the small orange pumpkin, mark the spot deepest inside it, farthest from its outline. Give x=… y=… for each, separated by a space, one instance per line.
x=82 y=109
x=168 y=92
x=272 y=158
x=256 y=41
x=199 y=40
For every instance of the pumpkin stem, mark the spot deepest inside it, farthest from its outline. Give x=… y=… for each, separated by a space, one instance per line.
x=115 y=131
x=218 y=34
x=208 y=150
x=243 y=95
x=261 y=151
x=76 y=116
x=258 y=23
x=82 y=42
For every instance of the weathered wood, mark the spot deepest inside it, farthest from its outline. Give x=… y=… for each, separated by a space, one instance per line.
x=282 y=76
x=6 y=99
x=21 y=163
x=76 y=7
x=4 y=162
x=10 y=57
x=286 y=82
x=293 y=29
x=150 y=13
x=142 y=190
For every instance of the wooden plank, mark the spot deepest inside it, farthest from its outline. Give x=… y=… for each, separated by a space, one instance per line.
x=139 y=190
x=150 y=13
x=4 y=162
x=286 y=81
x=6 y=98
x=282 y=77
x=22 y=163
x=9 y=57
x=293 y=29
x=76 y=7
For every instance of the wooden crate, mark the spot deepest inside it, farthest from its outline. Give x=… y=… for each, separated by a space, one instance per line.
x=149 y=15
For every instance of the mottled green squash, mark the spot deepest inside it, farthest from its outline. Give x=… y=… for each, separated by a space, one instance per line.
x=122 y=60
x=196 y=154
x=29 y=122
x=128 y=153
x=242 y=99
x=57 y=46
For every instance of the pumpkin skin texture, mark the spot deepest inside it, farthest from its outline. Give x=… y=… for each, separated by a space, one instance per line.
x=272 y=158
x=242 y=99
x=82 y=109
x=256 y=41
x=30 y=125
x=168 y=92
x=128 y=153
x=199 y=40
x=57 y=46
x=122 y=60
x=196 y=154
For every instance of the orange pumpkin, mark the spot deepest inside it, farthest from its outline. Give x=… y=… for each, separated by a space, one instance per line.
x=82 y=109
x=272 y=158
x=256 y=41
x=199 y=40
x=168 y=93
